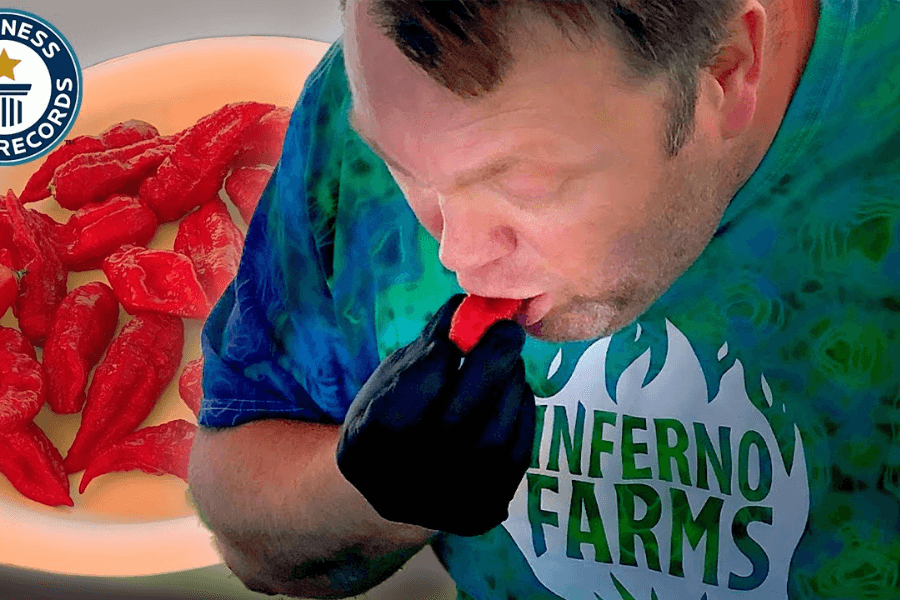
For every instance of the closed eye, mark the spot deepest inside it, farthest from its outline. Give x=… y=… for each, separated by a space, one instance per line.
x=529 y=186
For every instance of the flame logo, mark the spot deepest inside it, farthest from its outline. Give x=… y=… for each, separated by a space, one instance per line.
x=658 y=479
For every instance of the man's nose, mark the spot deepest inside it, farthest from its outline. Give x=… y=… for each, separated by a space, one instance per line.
x=473 y=234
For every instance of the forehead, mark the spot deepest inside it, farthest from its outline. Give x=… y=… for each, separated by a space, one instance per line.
x=546 y=67
x=383 y=82
x=551 y=90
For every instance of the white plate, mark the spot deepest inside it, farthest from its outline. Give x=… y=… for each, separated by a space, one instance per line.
x=129 y=524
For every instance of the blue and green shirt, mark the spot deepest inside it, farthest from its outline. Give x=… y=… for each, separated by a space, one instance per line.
x=740 y=440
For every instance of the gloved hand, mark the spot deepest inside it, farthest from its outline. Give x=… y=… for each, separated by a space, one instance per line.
x=439 y=445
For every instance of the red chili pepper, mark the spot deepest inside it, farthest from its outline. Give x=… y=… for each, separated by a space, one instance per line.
x=8 y=245
x=122 y=134
x=44 y=286
x=194 y=171
x=160 y=281
x=128 y=132
x=9 y=285
x=210 y=239
x=34 y=466
x=97 y=230
x=94 y=176
x=51 y=230
x=22 y=384
x=190 y=385
x=13 y=341
x=140 y=363
x=475 y=315
x=263 y=141
x=244 y=187
x=158 y=450
x=83 y=327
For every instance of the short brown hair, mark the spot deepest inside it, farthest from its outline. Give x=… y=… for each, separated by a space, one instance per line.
x=465 y=44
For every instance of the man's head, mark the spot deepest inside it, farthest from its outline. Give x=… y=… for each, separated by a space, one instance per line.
x=465 y=45
x=577 y=153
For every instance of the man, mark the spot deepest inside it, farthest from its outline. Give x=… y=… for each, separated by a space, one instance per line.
x=699 y=204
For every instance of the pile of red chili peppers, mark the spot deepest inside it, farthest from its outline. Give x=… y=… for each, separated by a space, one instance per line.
x=65 y=353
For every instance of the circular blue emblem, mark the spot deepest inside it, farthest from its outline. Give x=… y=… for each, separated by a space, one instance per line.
x=40 y=87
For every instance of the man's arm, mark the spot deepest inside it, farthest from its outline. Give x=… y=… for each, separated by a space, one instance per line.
x=285 y=519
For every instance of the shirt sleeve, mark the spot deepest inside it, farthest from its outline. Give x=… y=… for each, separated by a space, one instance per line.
x=272 y=346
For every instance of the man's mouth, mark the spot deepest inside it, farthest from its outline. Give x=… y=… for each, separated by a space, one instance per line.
x=534 y=310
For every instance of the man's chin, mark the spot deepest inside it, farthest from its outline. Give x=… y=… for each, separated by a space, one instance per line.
x=587 y=323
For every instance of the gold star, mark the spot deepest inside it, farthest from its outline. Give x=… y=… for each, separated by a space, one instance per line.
x=6 y=65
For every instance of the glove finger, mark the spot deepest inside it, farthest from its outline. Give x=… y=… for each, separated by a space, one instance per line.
x=419 y=377
x=502 y=427
x=526 y=429
x=485 y=375
x=506 y=335
x=412 y=378
x=497 y=352
x=438 y=327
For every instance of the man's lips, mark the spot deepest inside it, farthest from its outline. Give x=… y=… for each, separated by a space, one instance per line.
x=534 y=309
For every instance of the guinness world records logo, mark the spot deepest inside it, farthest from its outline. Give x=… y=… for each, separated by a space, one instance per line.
x=40 y=87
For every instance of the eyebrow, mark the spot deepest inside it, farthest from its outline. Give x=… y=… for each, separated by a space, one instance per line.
x=493 y=168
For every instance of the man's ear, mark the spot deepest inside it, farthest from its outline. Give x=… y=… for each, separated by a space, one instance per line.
x=736 y=69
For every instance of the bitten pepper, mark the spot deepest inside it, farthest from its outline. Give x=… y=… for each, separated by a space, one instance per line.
x=34 y=466
x=194 y=171
x=97 y=230
x=94 y=176
x=210 y=239
x=22 y=384
x=140 y=363
x=158 y=450
x=44 y=285
x=244 y=187
x=190 y=385
x=121 y=134
x=475 y=315
x=161 y=281
x=84 y=324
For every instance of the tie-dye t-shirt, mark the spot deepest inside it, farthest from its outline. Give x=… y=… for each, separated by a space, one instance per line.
x=740 y=440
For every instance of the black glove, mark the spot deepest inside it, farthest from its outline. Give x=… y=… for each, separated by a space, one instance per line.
x=433 y=444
